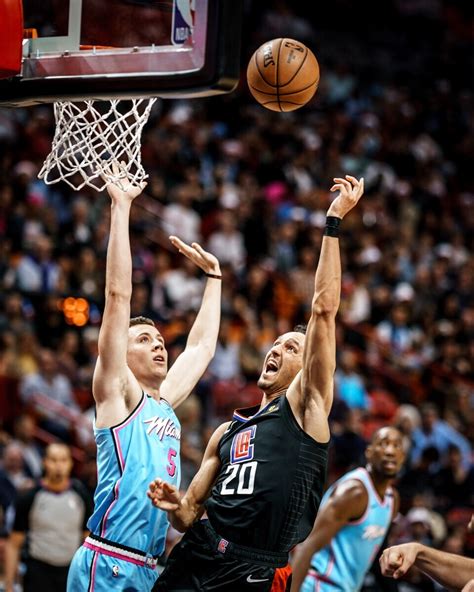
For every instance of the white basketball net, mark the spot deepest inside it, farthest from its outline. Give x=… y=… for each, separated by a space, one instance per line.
x=90 y=136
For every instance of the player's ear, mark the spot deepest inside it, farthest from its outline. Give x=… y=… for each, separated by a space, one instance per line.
x=368 y=452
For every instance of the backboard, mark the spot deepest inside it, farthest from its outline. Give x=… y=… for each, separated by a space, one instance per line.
x=106 y=49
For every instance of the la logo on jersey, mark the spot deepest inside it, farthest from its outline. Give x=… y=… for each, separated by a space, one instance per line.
x=183 y=20
x=242 y=449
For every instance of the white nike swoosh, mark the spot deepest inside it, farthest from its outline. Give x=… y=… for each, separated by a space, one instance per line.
x=250 y=580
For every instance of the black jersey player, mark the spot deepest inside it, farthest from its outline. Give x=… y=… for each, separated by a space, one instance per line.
x=263 y=472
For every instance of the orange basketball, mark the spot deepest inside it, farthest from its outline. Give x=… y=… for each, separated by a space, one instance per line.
x=283 y=74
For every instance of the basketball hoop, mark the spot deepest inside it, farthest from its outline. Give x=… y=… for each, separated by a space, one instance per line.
x=90 y=136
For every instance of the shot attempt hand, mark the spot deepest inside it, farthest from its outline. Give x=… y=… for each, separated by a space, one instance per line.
x=350 y=191
x=164 y=495
x=195 y=253
x=396 y=561
x=129 y=192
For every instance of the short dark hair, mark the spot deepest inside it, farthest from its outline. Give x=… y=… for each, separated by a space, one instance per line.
x=141 y=321
x=300 y=329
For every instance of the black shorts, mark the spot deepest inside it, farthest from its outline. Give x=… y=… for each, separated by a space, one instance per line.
x=44 y=577
x=202 y=561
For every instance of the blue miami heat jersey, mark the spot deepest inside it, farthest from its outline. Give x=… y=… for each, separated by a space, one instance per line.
x=342 y=564
x=130 y=455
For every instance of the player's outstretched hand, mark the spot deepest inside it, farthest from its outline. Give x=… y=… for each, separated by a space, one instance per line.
x=129 y=193
x=195 y=253
x=164 y=495
x=396 y=561
x=350 y=191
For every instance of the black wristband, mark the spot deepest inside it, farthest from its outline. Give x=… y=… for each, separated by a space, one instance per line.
x=332 y=226
x=214 y=276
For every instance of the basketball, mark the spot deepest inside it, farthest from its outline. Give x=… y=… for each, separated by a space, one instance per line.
x=283 y=74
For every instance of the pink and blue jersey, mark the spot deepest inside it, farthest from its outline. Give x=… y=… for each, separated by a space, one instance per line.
x=341 y=566
x=129 y=456
x=128 y=533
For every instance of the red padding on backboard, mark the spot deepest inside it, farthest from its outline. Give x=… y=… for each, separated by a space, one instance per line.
x=11 y=37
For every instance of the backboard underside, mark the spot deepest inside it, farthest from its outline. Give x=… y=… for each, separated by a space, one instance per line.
x=103 y=49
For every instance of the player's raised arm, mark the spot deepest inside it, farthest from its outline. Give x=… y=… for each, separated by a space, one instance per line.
x=184 y=511
x=311 y=393
x=113 y=382
x=201 y=343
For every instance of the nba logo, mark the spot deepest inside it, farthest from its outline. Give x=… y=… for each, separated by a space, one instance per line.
x=222 y=546
x=183 y=21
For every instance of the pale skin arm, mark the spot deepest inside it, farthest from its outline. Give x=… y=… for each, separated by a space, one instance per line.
x=201 y=343
x=184 y=511
x=449 y=570
x=311 y=392
x=115 y=389
x=348 y=502
x=12 y=557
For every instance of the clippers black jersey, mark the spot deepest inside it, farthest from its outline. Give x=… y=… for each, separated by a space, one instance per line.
x=271 y=482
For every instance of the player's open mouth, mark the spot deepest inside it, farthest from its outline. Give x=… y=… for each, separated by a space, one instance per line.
x=271 y=367
x=158 y=359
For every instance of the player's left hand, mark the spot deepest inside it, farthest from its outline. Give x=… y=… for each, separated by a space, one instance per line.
x=350 y=191
x=195 y=253
x=164 y=495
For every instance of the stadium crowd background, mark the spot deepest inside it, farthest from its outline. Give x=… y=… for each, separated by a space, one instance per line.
x=395 y=105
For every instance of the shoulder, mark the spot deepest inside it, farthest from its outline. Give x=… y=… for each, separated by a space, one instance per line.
x=25 y=499
x=348 y=500
x=352 y=489
x=221 y=430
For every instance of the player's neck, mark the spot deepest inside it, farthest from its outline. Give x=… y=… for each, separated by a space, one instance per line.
x=269 y=397
x=379 y=482
x=151 y=389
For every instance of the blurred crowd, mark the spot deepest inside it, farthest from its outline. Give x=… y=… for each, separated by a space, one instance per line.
x=252 y=186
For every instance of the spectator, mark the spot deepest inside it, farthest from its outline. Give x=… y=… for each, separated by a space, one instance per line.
x=438 y=433
x=179 y=218
x=50 y=395
x=38 y=272
x=227 y=242
x=13 y=480
x=454 y=483
x=24 y=433
x=349 y=383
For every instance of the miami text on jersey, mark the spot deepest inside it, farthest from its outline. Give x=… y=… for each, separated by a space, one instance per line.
x=163 y=426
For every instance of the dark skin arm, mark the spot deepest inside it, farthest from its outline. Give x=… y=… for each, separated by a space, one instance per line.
x=347 y=503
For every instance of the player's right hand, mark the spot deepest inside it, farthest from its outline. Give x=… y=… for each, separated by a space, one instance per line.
x=129 y=193
x=164 y=495
x=396 y=561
